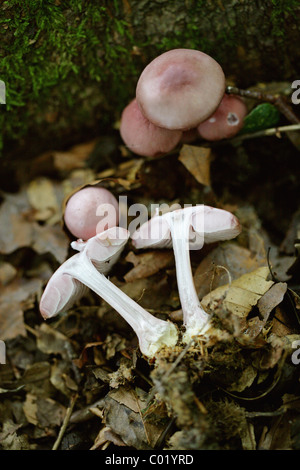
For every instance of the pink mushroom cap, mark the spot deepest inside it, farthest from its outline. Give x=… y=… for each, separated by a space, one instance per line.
x=180 y=88
x=91 y=210
x=227 y=120
x=143 y=137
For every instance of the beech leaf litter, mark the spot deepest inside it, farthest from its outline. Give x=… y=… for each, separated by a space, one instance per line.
x=79 y=380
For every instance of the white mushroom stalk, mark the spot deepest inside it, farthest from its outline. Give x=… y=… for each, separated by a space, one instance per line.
x=186 y=229
x=84 y=269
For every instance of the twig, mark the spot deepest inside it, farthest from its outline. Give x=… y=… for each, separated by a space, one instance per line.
x=278 y=100
x=65 y=423
x=267 y=132
x=160 y=441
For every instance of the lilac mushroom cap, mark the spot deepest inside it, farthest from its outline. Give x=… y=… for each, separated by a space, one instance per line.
x=142 y=136
x=226 y=121
x=91 y=210
x=180 y=88
x=185 y=229
x=63 y=290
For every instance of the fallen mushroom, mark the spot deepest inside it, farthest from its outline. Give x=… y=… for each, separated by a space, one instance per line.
x=226 y=121
x=91 y=210
x=87 y=269
x=185 y=229
x=180 y=88
x=142 y=136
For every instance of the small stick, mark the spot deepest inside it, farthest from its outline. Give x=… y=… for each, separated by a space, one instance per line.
x=278 y=101
x=267 y=132
x=65 y=423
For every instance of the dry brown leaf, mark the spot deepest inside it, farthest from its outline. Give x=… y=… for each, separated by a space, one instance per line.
x=43 y=198
x=106 y=435
x=211 y=272
x=43 y=412
x=7 y=273
x=125 y=175
x=242 y=294
x=126 y=396
x=147 y=264
x=245 y=380
x=197 y=162
x=278 y=436
x=124 y=416
x=10 y=439
x=151 y=293
x=73 y=158
x=51 y=341
x=15 y=298
x=50 y=239
x=60 y=378
x=281 y=323
x=271 y=299
x=18 y=230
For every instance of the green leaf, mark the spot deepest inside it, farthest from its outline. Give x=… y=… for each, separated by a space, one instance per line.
x=263 y=116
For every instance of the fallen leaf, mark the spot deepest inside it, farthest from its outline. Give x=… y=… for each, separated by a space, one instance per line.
x=14 y=299
x=43 y=412
x=245 y=380
x=147 y=264
x=271 y=299
x=18 y=230
x=42 y=197
x=266 y=304
x=197 y=162
x=227 y=259
x=107 y=435
x=7 y=273
x=52 y=341
x=10 y=440
x=242 y=294
x=75 y=157
x=123 y=414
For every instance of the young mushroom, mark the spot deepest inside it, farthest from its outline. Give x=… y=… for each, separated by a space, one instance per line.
x=142 y=136
x=91 y=210
x=87 y=269
x=180 y=88
x=227 y=120
x=188 y=228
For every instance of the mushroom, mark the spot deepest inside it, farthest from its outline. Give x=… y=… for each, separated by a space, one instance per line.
x=188 y=228
x=180 y=88
x=142 y=136
x=87 y=269
x=227 y=120
x=189 y=136
x=91 y=210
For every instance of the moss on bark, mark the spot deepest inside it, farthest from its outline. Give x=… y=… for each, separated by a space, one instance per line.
x=71 y=66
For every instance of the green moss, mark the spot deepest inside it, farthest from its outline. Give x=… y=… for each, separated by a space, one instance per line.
x=56 y=55
x=281 y=8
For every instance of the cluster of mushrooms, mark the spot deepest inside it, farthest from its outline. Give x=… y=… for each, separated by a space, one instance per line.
x=179 y=91
x=180 y=96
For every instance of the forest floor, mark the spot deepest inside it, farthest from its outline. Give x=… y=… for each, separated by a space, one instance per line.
x=79 y=380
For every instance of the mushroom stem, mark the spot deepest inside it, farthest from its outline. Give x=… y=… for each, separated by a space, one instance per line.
x=195 y=319
x=152 y=332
